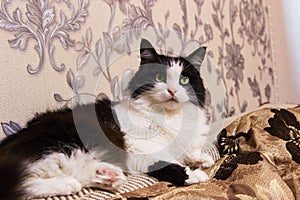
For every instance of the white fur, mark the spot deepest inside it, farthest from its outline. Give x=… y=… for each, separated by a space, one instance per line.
x=58 y=174
x=195 y=176
x=158 y=129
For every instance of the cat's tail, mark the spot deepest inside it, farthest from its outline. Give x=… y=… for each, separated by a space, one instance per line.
x=12 y=174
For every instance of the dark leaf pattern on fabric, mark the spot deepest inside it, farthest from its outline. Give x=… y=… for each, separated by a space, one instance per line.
x=293 y=148
x=285 y=126
x=230 y=144
x=232 y=161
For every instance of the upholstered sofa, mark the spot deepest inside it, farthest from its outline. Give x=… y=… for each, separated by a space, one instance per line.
x=55 y=53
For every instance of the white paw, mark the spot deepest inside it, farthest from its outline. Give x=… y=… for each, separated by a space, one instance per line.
x=199 y=158
x=108 y=177
x=195 y=176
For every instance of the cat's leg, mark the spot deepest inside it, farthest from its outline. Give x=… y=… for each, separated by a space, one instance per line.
x=177 y=174
x=170 y=171
x=46 y=177
x=198 y=159
x=60 y=174
x=46 y=187
x=91 y=172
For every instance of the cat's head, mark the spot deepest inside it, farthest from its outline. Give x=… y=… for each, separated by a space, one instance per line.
x=168 y=81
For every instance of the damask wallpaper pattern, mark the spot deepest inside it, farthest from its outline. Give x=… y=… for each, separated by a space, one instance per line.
x=46 y=44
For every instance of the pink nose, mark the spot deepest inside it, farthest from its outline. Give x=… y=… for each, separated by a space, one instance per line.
x=171 y=92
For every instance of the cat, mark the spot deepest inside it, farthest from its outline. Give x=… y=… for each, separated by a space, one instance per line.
x=158 y=130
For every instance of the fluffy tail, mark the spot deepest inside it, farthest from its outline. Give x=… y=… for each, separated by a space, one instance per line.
x=12 y=174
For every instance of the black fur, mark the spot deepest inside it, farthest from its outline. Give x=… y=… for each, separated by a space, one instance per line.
x=153 y=63
x=56 y=131
x=196 y=86
x=59 y=131
x=12 y=173
x=168 y=172
x=144 y=78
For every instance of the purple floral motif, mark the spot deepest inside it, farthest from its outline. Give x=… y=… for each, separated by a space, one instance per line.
x=75 y=83
x=42 y=27
x=10 y=128
x=247 y=28
x=235 y=64
x=253 y=22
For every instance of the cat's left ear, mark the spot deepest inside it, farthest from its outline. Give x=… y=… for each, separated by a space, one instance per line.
x=147 y=52
x=196 y=58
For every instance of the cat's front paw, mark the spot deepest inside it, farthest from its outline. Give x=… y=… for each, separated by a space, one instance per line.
x=201 y=159
x=108 y=177
x=195 y=176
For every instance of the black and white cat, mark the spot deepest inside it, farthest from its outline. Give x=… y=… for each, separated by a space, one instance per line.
x=159 y=129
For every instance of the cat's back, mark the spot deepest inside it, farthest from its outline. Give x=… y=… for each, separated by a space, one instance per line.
x=41 y=132
x=84 y=127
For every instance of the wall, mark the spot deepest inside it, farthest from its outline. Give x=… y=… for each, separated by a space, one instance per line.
x=291 y=15
x=284 y=22
x=53 y=52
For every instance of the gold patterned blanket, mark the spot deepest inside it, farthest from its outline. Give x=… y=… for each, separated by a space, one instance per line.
x=260 y=160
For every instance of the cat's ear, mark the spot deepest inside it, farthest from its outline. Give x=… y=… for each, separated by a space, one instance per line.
x=147 y=52
x=196 y=58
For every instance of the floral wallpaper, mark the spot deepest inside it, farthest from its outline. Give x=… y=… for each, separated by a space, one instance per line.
x=63 y=38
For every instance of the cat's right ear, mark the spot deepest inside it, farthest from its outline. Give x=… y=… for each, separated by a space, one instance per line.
x=147 y=52
x=196 y=58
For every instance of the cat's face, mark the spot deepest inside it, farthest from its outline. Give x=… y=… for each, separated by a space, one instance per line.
x=168 y=81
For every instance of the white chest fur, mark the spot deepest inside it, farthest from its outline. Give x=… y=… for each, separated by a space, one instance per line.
x=155 y=132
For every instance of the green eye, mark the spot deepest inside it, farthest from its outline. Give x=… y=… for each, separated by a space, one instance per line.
x=184 y=80
x=159 y=77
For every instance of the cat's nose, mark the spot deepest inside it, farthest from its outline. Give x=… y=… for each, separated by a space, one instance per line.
x=171 y=92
